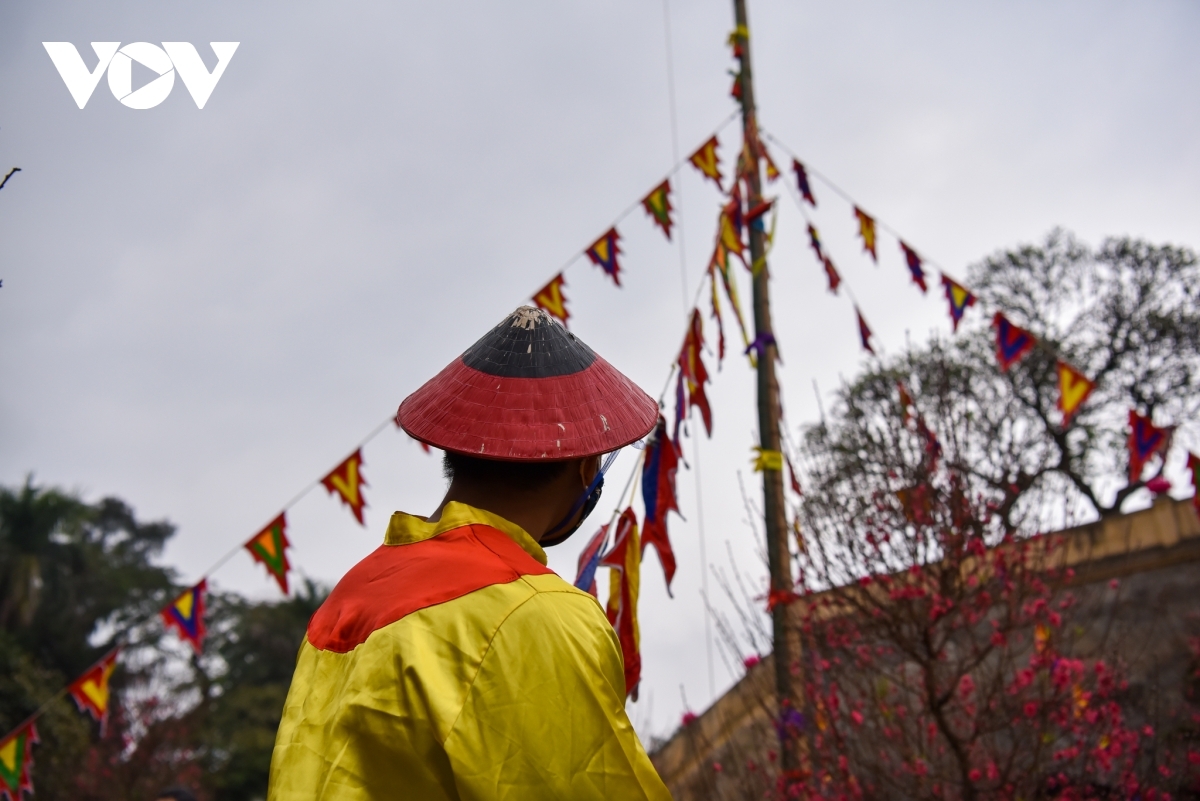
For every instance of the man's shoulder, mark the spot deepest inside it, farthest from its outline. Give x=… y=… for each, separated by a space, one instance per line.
x=395 y=581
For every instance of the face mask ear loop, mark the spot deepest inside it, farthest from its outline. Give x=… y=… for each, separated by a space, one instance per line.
x=549 y=536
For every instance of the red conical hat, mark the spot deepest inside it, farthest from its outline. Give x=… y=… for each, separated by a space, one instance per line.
x=528 y=390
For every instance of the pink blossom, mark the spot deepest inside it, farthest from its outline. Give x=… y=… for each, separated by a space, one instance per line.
x=750 y=661
x=857 y=717
x=1031 y=709
x=966 y=686
x=689 y=718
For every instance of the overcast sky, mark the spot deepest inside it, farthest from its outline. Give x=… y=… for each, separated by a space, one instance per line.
x=203 y=311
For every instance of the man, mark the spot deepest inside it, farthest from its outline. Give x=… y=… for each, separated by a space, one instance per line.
x=451 y=663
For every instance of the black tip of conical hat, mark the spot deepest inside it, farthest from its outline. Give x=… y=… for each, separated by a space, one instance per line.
x=529 y=343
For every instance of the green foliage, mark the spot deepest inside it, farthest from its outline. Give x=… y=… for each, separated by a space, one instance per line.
x=76 y=578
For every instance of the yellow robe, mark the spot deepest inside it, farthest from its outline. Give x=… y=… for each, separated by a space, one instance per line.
x=452 y=664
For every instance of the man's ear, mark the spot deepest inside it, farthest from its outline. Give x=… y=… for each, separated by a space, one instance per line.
x=588 y=467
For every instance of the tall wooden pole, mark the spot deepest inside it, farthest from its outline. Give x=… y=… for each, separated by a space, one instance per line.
x=786 y=644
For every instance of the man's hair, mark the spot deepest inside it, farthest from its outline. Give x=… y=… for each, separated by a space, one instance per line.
x=520 y=476
x=175 y=794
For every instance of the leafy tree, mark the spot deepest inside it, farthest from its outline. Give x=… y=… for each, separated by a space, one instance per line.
x=76 y=578
x=944 y=654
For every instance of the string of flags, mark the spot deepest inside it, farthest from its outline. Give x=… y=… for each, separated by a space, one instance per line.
x=185 y=614
x=1012 y=342
x=606 y=253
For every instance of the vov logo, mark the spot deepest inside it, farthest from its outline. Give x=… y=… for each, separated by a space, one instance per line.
x=172 y=57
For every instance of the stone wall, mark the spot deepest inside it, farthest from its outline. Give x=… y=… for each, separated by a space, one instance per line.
x=1154 y=555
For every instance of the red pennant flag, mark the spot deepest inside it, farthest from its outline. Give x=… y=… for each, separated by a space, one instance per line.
x=658 y=205
x=959 y=298
x=913 y=260
x=1012 y=342
x=269 y=547
x=1145 y=440
x=864 y=332
x=346 y=481
x=625 y=559
x=658 y=494
x=1193 y=464
x=551 y=299
x=91 y=691
x=802 y=183
x=866 y=229
x=795 y=482
x=706 y=160
x=1073 y=389
x=603 y=254
x=832 y=274
x=16 y=759
x=693 y=375
x=186 y=615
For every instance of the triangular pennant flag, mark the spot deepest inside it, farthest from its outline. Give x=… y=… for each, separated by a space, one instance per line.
x=603 y=254
x=802 y=183
x=551 y=299
x=731 y=232
x=16 y=758
x=866 y=229
x=913 y=260
x=1073 y=389
x=792 y=479
x=832 y=274
x=186 y=615
x=1012 y=341
x=658 y=494
x=959 y=298
x=706 y=160
x=864 y=332
x=625 y=559
x=720 y=264
x=731 y=222
x=814 y=239
x=735 y=91
x=658 y=205
x=1193 y=465
x=346 y=481
x=589 y=561
x=1145 y=440
x=693 y=373
x=269 y=546
x=773 y=172
x=91 y=691
x=716 y=314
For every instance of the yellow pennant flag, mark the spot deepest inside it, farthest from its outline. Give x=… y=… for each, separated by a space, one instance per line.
x=346 y=481
x=1073 y=389
x=551 y=300
x=705 y=160
x=866 y=229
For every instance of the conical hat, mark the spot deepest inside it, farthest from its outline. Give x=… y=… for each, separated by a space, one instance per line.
x=528 y=390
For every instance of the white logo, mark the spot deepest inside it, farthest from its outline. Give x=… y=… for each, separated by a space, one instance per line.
x=172 y=57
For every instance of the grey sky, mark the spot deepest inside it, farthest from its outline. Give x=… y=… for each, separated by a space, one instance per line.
x=204 y=311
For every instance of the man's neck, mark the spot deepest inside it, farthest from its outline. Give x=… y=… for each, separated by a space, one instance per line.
x=525 y=509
